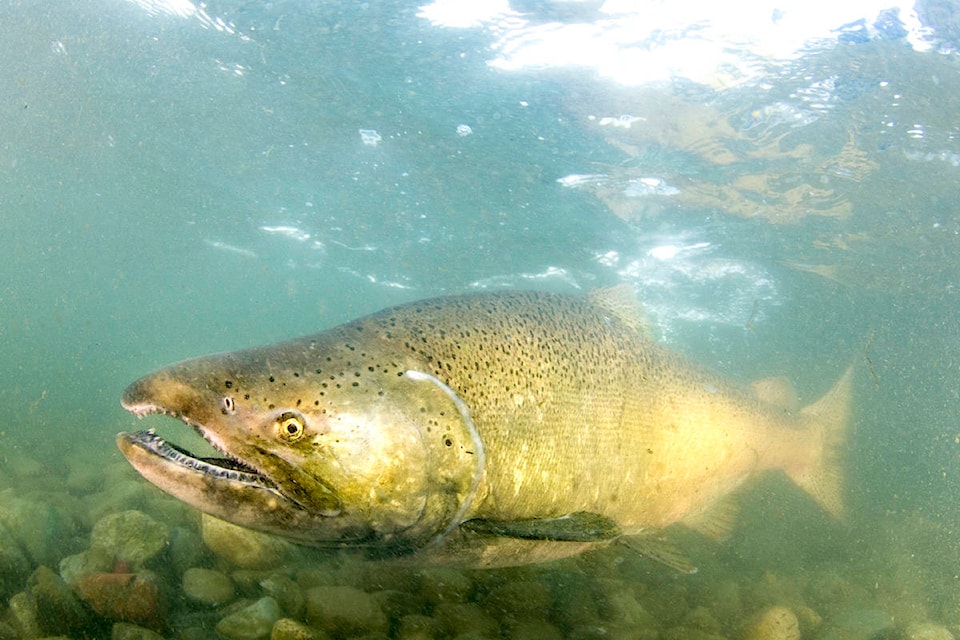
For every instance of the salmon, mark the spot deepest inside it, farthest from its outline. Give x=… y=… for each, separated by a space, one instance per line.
x=487 y=429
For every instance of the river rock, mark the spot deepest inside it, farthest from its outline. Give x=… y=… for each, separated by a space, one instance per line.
x=207 y=587
x=522 y=600
x=253 y=622
x=397 y=604
x=534 y=630
x=857 y=624
x=243 y=547
x=58 y=610
x=445 y=585
x=926 y=631
x=417 y=627
x=573 y=603
x=127 y=631
x=186 y=549
x=286 y=592
x=133 y=537
x=126 y=597
x=37 y=527
x=618 y=605
x=773 y=623
x=288 y=629
x=22 y=615
x=14 y=566
x=80 y=565
x=458 y=618
x=344 y=611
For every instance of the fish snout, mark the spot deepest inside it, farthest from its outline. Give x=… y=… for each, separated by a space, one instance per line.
x=161 y=393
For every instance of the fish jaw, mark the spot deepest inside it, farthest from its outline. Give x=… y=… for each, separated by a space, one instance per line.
x=239 y=495
x=239 y=488
x=247 y=485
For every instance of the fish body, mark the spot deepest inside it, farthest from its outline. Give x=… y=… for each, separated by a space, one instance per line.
x=484 y=429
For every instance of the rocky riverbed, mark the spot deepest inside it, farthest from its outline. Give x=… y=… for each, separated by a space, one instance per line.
x=91 y=551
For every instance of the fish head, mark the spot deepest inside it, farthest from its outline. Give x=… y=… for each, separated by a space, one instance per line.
x=319 y=447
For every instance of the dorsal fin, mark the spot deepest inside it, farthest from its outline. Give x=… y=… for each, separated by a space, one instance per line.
x=621 y=302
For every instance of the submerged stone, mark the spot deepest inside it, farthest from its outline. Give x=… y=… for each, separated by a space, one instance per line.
x=286 y=592
x=253 y=622
x=445 y=585
x=38 y=528
x=522 y=599
x=126 y=597
x=80 y=565
x=23 y=616
x=535 y=630
x=456 y=618
x=857 y=624
x=58 y=611
x=14 y=565
x=208 y=587
x=132 y=537
x=242 y=547
x=127 y=631
x=344 y=611
x=186 y=549
x=417 y=627
x=926 y=631
x=288 y=629
x=773 y=623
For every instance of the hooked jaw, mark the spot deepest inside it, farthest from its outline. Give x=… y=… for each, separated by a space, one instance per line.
x=234 y=487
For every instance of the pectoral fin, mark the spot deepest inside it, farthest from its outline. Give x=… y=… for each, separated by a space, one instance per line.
x=574 y=527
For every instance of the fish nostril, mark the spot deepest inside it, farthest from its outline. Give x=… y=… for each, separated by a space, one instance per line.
x=227 y=406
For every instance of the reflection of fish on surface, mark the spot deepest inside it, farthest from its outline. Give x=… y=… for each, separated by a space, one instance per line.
x=481 y=430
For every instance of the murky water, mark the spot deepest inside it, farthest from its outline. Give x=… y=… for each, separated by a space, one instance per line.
x=778 y=184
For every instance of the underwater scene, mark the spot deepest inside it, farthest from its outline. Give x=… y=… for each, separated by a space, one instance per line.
x=624 y=319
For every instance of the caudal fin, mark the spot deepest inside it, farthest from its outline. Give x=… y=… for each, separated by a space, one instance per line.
x=828 y=420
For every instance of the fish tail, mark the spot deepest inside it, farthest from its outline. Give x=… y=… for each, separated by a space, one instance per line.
x=828 y=421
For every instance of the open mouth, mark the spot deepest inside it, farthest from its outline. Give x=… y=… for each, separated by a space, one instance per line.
x=220 y=468
x=177 y=470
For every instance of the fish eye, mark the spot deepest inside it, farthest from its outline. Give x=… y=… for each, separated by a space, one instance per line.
x=227 y=406
x=289 y=426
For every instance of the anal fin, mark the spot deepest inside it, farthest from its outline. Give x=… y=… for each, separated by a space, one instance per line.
x=718 y=521
x=575 y=527
x=661 y=550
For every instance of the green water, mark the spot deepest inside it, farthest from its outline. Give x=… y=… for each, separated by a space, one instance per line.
x=169 y=188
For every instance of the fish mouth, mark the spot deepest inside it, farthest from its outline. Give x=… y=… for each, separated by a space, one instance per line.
x=184 y=474
x=225 y=469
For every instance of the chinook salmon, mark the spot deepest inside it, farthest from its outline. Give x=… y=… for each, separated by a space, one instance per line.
x=483 y=430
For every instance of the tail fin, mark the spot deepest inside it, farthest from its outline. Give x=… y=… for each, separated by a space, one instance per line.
x=828 y=419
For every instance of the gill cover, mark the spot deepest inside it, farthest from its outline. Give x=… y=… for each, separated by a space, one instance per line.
x=454 y=455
